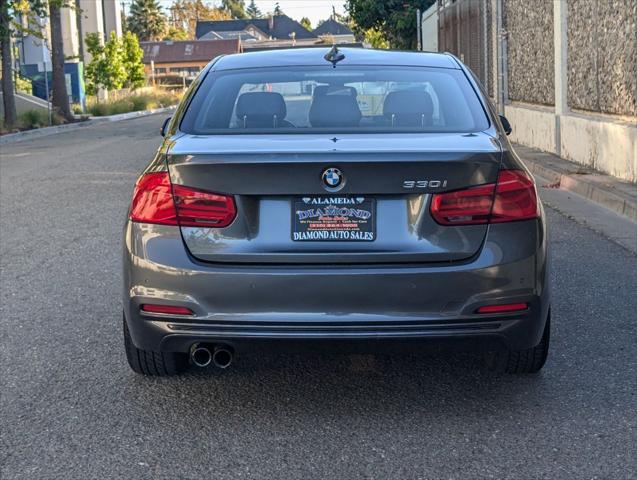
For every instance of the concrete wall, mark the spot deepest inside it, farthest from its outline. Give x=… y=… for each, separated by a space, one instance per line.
x=610 y=147
x=112 y=17
x=24 y=103
x=530 y=57
x=92 y=22
x=592 y=47
x=430 y=29
x=595 y=141
x=602 y=56
x=533 y=125
x=70 y=37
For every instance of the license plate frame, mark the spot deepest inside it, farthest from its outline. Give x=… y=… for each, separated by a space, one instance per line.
x=331 y=218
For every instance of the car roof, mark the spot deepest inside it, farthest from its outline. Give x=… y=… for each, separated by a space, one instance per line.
x=314 y=56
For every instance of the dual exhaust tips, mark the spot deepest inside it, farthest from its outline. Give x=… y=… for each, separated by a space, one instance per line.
x=220 y=356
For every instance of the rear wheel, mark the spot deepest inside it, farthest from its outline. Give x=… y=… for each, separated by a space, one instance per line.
x=530 y=360
x=159 y=364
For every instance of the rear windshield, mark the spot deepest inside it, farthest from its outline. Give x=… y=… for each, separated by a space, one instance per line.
x=341 y=99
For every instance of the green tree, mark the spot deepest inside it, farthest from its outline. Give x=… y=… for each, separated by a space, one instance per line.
x=186 y=13
x=106 y=69
x=132 y=55
x=9 y=10
x=277 y=9
x=253 y=11
x=176 y=34
x=395 y=19
x=306 y=23
x=375 y=38
x=146 y=20
x=236 y=8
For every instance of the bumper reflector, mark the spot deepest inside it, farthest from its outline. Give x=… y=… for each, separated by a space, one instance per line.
x=509 y=307
x=169 y=309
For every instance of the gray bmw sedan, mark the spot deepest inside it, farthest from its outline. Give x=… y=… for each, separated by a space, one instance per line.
x=342 y=200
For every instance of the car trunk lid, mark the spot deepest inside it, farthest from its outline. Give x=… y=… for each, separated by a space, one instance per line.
x=395 y=174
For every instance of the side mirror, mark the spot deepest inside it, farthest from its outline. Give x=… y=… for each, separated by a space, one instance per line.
x=164 y=127
x=506 y=125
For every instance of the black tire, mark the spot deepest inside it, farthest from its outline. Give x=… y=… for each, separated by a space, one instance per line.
x=530 y=360
x=158 y=364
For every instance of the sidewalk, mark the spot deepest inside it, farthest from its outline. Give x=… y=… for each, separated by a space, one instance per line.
x=46 y=131
x=605 y=190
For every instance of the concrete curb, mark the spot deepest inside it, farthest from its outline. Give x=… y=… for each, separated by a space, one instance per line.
x=605 y=190
x=46 y=131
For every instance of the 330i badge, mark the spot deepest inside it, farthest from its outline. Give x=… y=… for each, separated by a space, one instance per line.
x=334 y=219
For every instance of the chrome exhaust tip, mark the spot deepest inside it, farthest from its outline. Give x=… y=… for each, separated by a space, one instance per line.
x=200 y=356
x=222 y=357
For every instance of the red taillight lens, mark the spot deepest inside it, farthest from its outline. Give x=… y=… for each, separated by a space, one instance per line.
x=198 y=208
x=509 y=307
x=169 y=309
x=155 y=200
x=463 y=207
x=512 y=198
x=515 y=197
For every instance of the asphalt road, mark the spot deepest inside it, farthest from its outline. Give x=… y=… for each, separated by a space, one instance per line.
x=72 y=409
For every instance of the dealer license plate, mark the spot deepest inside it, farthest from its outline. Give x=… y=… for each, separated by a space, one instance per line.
x=336 y=219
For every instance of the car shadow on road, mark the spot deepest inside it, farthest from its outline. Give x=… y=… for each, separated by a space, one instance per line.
x=366 y=385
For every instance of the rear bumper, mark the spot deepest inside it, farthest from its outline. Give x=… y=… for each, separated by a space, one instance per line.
x=395 y=336
x=353 y=307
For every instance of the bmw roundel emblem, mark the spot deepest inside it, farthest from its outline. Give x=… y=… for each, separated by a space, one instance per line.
x=333 y=179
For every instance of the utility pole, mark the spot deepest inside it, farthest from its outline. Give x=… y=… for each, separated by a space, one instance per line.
x=78 y=19
x=500 y=50
x=419 y=28
x=46 y=73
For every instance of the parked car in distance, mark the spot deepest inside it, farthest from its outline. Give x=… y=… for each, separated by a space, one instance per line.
x=342 y=200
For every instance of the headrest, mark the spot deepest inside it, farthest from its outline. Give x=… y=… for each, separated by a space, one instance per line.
x=258 y=109
x=334 y=90
x=409 y=108
x=334 y=111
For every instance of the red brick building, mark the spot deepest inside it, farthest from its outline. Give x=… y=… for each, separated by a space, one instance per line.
x=183 y=58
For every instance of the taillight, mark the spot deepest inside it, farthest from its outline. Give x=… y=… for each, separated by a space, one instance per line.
x=515 y=197
x=198 y=208
x=463 y=207
x=155 y=200
x=512 y=198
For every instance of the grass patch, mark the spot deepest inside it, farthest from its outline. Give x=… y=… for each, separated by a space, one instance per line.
x=134 y=103
x=32 y=119
x=38 y=119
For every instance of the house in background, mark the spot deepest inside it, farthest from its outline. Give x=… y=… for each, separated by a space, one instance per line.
x=275 y=28
x=334 y=30
x=169 y=60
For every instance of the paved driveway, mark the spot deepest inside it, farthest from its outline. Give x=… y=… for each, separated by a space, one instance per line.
x=72 y=409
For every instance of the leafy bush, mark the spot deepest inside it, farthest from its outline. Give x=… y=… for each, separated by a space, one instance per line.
x=32 y=119
x=114 y=64
x=23 y=85
x=37 y=119
x=134 y=103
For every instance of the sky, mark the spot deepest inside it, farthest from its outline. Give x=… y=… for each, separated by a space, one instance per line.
x=315 y=10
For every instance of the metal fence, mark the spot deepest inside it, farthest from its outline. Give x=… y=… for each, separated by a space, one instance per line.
x=463 y=31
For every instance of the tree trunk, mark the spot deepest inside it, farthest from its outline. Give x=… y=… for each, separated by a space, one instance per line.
x=60 y=96
x=8 y=95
